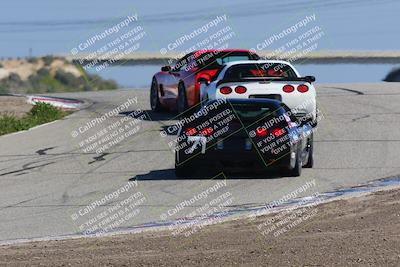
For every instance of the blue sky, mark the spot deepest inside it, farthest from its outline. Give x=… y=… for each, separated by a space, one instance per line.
x=49 y=26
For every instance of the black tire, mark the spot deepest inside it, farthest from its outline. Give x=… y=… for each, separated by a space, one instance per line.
x=182 y=170
x=310 y=158
x=182 y=104
x=295 y=171
x=154 y=98
x=314 y=123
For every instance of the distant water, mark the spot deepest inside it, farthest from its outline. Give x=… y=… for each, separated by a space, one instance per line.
x=137 y=76
x=346 y=73
x=140 y=76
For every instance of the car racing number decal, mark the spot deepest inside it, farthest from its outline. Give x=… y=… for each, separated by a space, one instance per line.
x=197 y=140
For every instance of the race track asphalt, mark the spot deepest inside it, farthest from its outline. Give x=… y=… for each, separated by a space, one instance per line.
x=47 y=180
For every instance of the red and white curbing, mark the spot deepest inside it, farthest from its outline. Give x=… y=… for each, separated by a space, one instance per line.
x=57 y=102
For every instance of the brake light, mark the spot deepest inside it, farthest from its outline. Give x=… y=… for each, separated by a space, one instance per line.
x=207 y=131
x=190 y=131
x=261 y=132
x=240 y=89
x=288 y=88
x=225 y=90
x=278 y=132
x=302 y=88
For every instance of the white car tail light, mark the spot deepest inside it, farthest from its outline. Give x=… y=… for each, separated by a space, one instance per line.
x=302 y=88
x=288 y=88
x=240 y=89
x=225 y=90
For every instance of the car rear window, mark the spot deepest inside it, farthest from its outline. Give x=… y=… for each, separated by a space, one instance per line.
x=214 y=60
x=259 y=70
x=252 y=112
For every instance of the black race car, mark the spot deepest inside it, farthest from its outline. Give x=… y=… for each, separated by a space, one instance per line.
x=246 y=134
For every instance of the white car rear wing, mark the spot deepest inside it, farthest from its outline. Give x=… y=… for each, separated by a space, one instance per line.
x=308 y=79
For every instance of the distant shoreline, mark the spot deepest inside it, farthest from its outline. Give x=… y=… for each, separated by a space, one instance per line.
x=314 y=57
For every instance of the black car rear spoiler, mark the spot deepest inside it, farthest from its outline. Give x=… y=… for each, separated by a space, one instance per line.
x=308 y=79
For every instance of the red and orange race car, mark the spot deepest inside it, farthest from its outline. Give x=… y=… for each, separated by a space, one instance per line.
x=177 y=88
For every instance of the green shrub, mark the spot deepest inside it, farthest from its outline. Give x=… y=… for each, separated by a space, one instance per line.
x=67 y=78
x=53 y=85
x=14 y=77
x=3 y=90
x=9 y=124
x=45 y=112
x=44 y=82
x=43 y=72
x=48 y=60
x=87 y=87
x=39 y=114
x=12 y=82
x=32 y=60
x=98 y=83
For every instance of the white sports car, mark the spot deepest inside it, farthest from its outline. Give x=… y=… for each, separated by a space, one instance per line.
x=273 y=79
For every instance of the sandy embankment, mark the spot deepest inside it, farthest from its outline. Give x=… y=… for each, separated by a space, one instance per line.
x=362 y=231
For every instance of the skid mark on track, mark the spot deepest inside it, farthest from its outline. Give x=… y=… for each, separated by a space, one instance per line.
x=26 y=167
x=99 y=158
x=21 y=202
x=348 y=90
x=359 y=118
x=44 y=151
